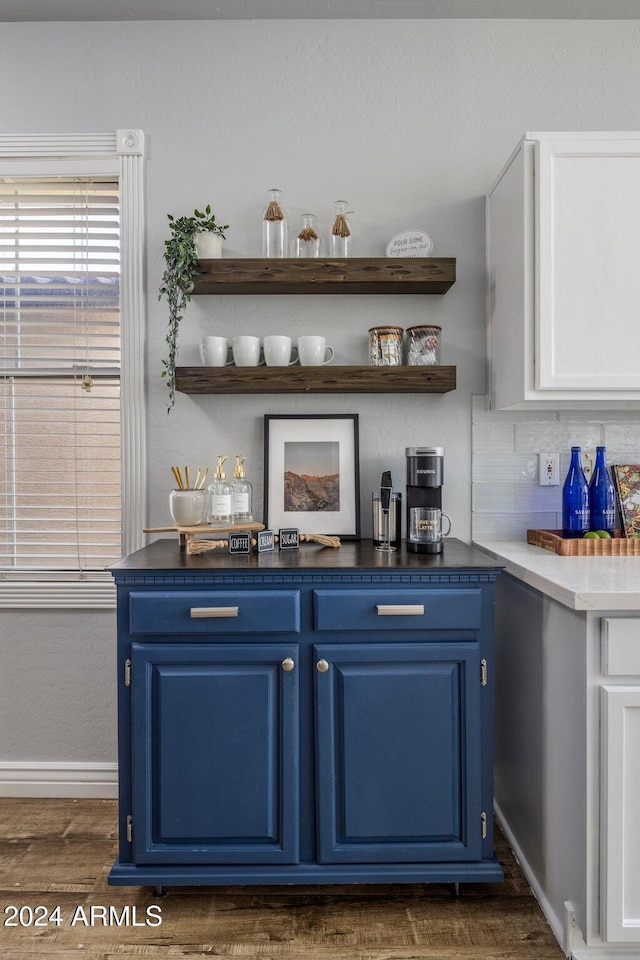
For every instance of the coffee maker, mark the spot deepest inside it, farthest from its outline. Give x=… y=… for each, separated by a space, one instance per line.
x=425 y=476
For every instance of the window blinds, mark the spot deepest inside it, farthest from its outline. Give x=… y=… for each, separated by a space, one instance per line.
x=60 y=469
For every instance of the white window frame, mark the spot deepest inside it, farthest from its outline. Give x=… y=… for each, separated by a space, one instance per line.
x=121 y=153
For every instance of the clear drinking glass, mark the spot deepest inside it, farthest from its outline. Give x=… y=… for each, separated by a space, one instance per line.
x=425 y=525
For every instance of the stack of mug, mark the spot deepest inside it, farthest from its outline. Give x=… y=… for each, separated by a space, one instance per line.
x=275 y=351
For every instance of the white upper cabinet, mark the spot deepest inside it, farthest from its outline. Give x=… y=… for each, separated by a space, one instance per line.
x=563 y=256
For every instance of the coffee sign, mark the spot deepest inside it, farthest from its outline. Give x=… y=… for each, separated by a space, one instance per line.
x=411 y=243
x=239 y=543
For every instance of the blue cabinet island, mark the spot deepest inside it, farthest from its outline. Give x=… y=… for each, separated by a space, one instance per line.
x=310 y=716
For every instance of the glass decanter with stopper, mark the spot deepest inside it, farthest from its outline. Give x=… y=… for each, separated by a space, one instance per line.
x=219 y=490
x=341 y=241
x=307 y=243
x=242 y=493
x=274 y=227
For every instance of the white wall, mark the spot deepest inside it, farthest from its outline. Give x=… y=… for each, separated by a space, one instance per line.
x=410 y=121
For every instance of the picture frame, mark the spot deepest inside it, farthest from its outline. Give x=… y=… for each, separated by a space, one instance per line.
x=312 y=473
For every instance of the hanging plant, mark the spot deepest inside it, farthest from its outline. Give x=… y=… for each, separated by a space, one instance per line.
x=181 y=258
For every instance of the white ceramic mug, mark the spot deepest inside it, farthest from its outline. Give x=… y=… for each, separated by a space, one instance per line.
x=214 y=351
x=246 y=351
x=314 y=352
x=277 y=351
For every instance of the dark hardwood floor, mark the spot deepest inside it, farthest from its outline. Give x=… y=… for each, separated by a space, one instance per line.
x=59 y=852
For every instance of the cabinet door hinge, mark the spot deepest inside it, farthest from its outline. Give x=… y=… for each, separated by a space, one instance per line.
x=483 y=672
x=127 y=673
x=483 y=825
x=129 y=829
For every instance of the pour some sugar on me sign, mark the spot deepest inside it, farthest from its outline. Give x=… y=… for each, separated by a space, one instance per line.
x=411 y=243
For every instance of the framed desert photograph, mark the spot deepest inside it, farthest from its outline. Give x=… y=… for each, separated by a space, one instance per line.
x=311 y=474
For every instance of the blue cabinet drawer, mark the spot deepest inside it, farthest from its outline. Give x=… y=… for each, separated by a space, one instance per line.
x=213 y=612
x=395 y=610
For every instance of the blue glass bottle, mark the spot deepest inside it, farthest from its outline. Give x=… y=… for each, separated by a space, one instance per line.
x=575 y=499
x=602 y=497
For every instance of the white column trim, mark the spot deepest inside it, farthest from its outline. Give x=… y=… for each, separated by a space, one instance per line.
x=132 y=402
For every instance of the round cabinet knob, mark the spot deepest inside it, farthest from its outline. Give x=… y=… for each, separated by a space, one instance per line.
x=322 y=666
x=288 y=664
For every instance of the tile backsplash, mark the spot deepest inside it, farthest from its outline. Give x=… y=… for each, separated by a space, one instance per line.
x=506 y=497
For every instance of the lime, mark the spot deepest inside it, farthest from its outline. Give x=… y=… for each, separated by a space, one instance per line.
x=590 y=536
x=603 y=534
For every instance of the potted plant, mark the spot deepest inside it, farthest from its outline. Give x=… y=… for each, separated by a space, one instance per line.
x=182 y=252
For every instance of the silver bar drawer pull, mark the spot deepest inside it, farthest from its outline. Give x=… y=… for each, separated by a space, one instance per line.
x=203 y=612
x=400 y=609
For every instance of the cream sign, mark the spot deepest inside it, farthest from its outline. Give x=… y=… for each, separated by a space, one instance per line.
x=411 y=243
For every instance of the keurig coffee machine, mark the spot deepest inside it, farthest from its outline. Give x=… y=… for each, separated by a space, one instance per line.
x=425 y=475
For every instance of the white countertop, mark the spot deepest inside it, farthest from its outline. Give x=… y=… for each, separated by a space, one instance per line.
x=582 y=583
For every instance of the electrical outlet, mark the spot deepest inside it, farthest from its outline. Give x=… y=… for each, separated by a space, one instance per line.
x=548 y=469
x=588 y=459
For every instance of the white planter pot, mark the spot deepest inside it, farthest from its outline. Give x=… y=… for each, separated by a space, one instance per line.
x=208 y=245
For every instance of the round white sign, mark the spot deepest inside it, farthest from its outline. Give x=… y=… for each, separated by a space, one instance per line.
x=411 y=243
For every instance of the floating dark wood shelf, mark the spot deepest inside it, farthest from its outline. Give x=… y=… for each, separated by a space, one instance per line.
x=325 y=379
x=352 y=275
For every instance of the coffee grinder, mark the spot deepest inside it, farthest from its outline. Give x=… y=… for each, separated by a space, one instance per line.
x=425 y=476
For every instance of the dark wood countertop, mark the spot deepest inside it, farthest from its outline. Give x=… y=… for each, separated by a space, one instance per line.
x=362 y=555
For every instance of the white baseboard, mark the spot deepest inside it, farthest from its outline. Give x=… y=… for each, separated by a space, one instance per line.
x=554 y=922
x=70 y=779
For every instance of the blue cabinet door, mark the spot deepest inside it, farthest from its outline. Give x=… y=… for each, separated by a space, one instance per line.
x=215 y=753
x=398 y=752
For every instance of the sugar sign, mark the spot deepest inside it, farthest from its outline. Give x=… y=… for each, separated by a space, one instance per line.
x=411 y=243
x=288 y=539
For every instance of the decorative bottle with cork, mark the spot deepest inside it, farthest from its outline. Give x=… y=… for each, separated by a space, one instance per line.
x=274 y=227
x=220 y=489
x=341 y=241
x=242 y=493
x=307 y=243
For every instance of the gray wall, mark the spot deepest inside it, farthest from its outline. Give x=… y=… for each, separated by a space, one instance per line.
x=410 y=121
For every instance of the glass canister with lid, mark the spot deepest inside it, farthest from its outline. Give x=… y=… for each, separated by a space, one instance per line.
x=385 y=346
x=423 y=345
